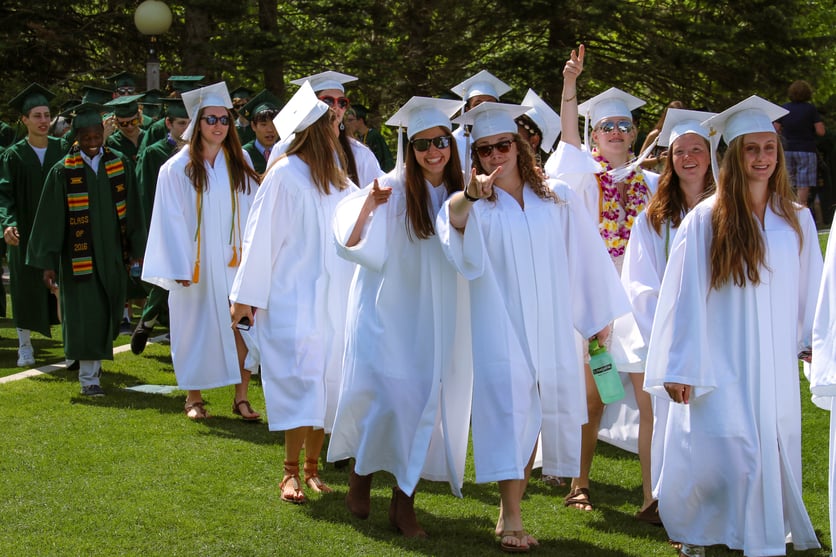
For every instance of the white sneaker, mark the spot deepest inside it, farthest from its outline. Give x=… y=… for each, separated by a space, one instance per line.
x=26 y=356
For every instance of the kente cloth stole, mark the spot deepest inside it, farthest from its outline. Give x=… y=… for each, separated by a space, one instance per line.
x=235 y=233
x=78 y=208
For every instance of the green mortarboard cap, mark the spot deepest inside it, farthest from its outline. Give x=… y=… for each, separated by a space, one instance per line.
x=125 y=106
x=34 y=95
x=185 y=82
x=85 y=115
x=152 y=96
x=123 y=79
x=95 y=95
x=68 y=104
x=265 y=100
x=174 y=108
x=241 y=93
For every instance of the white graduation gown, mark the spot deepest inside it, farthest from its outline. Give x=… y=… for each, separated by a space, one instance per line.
x=407 y=373
x=620 y=421
x=202 y=341
x=644 y=266
x=823 y=368
x=291 y=273
x=731 y=462
x=535 y=276
x=368 y=167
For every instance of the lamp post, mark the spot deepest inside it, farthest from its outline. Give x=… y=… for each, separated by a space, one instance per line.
x=152 y=18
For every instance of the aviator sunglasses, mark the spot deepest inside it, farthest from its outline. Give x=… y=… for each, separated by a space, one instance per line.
x=624 y=126
x=440 y=142
x=486 y=150
x=342 y=102
x=212 y=120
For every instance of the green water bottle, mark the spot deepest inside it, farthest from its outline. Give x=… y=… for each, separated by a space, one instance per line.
x=605 y=373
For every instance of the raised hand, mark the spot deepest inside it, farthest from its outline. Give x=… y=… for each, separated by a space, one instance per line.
x=574 y=65
x=481 y=185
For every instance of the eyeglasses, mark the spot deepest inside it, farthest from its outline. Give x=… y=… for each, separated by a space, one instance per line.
x=624 y=126
x=440 y=142
x=212 y=120
x=125 y=90
x=342 y=102
x=126 y=123
x=486 y=150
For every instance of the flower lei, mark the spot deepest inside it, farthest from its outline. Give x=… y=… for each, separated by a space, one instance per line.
x=616 y=220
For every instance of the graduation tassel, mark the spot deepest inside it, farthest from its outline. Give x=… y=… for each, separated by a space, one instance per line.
x=199 y=209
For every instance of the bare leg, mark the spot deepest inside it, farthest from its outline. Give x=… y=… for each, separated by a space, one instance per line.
x=645 y=435
x=314 y=439
x=194 y=406
x=242 y=388
x=589 y=434
x=510 y=525
x=291 y=488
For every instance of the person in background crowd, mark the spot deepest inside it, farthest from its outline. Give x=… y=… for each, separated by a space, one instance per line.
x=260 y=112
x=87 y=231
x=414 y=371
x=735 y=308
x=23 y=168
x=540 y=126
x=356 y=123
x=294 y=287
x=147 y=170
x=655 y=159
x=798 y=130
x=479 y=88
x=204 y=193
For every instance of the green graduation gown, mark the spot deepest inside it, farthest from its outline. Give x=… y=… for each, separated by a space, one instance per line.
x=21 y=183
x=259 y=162
x=147 y=169
x=91 y=309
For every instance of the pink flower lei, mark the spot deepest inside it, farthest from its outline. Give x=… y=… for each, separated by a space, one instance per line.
x=616 y=219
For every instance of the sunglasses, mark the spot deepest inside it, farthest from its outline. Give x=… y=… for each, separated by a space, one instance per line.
x=486 y=150
x=342 y=102
x=624 y=126
x=131 y=122
x=126 y=90
x=440 y=142
x=212 y=120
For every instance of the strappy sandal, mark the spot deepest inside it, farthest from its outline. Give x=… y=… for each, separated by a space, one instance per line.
x=522 y=545
x=195 y=410
x=578 y=496
x=312 y=478
x=253 y=415
x=292 y=481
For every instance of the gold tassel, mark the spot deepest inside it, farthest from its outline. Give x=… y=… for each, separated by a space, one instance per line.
x=196 y=272
x=234 y=261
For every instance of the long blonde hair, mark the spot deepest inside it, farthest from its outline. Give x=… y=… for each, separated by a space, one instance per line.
x=317 y=146
x=737 y=248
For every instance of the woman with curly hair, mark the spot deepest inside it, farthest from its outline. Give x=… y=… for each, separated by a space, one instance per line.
x=538 y=271
x=203 y=198
x=735 y=309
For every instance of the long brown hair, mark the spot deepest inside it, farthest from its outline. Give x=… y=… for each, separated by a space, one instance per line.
x=239 y=171
x=316 y=145
x=348 y=155
x=526 y=166
x=668 y=204
x=419 y=219
x=737 y=248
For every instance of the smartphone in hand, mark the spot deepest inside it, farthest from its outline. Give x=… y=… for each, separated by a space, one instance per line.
x=244 y=324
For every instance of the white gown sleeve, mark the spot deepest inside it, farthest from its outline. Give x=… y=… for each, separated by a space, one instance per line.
x=466 y=251
x=371 y=251
x=823 y=368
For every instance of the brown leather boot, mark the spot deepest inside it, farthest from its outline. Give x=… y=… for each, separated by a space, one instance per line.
x=402 y=514
x=358 y=499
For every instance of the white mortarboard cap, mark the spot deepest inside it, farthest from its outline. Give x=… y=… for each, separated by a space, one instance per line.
x=545 y=117
x=491 y=118
x=423 y=113
x=483 y=83
x=611 y=103
x=302 y=110
x=212 y=95
x=326 y=80
x=679 y=122
x=752 y=115
x=419 y=114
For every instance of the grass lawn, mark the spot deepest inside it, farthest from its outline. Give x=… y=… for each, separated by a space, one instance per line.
x=128 y=474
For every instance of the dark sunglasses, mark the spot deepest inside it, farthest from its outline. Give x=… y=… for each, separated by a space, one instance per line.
x=131 y=122
x=212 y=120
x=486 y=150
x=440 y=142
x=342 y=102
x=126 y=90
x=624 y=126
